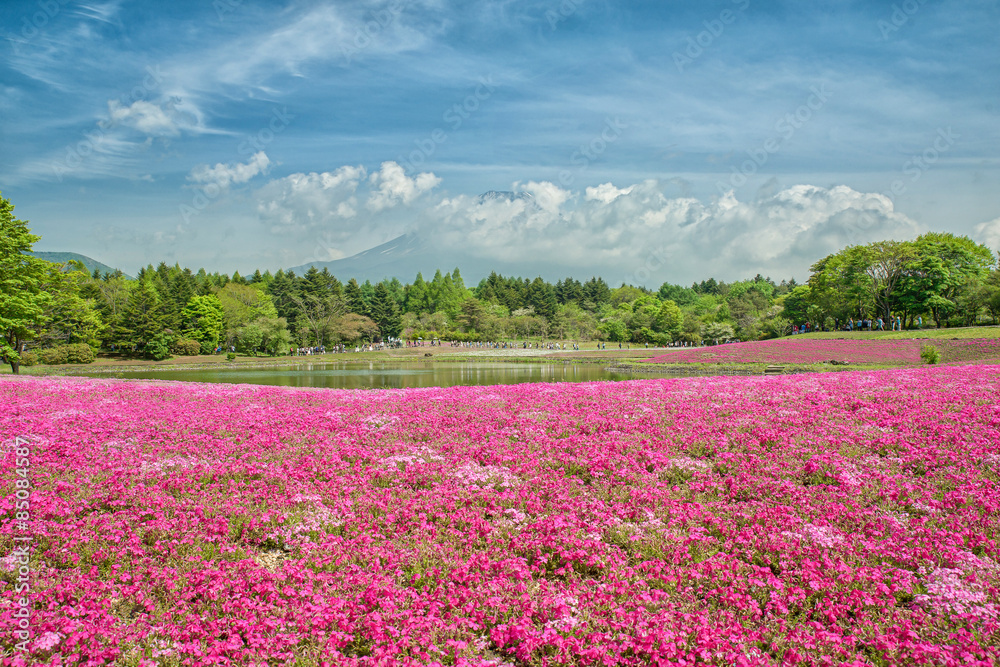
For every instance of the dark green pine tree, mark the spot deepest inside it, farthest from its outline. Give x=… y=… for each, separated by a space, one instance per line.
x=385 y=312
x=182 y=288
x=542 y=297
x=354 y=298
x=144 y=317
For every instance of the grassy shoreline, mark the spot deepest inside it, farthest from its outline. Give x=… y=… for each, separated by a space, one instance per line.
x=624 y=360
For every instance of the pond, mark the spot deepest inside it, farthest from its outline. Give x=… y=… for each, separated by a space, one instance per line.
x=384 y=375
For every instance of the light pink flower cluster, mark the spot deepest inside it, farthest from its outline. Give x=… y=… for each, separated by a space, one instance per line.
x=822 y=519
x=805 y=350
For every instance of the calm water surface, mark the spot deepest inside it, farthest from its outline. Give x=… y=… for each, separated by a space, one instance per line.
x=378 y=375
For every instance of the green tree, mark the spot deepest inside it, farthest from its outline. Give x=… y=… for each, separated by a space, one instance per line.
x=355 y=300
x=68 y=317
x=275 y=336
x=542 y=297
x=202 y=319
x=249 y=338
x=143 y=319
x=669 y=319
x=385 y=312
x=22 y=299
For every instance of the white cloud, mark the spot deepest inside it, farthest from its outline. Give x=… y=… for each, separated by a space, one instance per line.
x=302 y=202
x=144 y=116
x=988 y=233
x=548 y=195
x=392 y=186
x=782 y=234
x=606 y=193
x=224 y=175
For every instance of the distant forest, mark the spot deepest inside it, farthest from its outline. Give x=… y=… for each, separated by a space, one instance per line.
x=943 y=279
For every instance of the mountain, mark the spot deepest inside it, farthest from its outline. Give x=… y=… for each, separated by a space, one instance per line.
x=63 y=257
x=507 y=196
x=402 y=257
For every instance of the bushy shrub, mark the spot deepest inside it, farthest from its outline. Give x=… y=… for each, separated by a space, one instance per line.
x=185 y=347
x=54 y=355
x=230 y=356
x=79 y=353
x=29 y=358
x=930 y=354
x=206 y=348
x=158 y=349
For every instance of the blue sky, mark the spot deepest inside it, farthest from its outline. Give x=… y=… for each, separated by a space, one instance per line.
x=659 y=140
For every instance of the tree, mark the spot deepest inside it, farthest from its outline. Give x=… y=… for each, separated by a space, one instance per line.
x=249 y=339
x=143 y=318
x=112 y=301
x=355 y=300
x=385 y=312
x=942 y=273
x=883 y=263
x=542 y=298
x=318 y=312
x=242 y=304
x=68 y=318
x=22 y=299
x=669 y=319
x=202 y=319
x=352 y=327
x=274 y=334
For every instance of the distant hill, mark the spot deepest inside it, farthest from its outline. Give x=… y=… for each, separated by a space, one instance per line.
x=62 y=257
x=402 y=257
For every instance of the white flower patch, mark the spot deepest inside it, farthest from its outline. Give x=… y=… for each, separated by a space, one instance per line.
x=379 y=422
x=317 y=517
x=688 y=464
x=472 y=473
x=824 y=536
x=174 y=463
x=949 y=593
x=420 y=456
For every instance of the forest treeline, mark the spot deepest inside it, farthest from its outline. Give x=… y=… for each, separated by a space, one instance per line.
x=62 y=312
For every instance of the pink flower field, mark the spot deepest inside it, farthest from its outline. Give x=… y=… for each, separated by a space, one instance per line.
x=820 y=519
x=805 y=350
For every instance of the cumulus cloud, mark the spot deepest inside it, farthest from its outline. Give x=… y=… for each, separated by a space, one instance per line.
x=301 y=202
x=606 y=193
x=548 y=195
x=225 y=175
x=613 y=231
x=988 y=233
x=391 y=186
x=147 y=117
x=616 y=230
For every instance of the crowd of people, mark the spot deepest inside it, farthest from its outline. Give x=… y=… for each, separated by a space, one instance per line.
x=860 y=324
